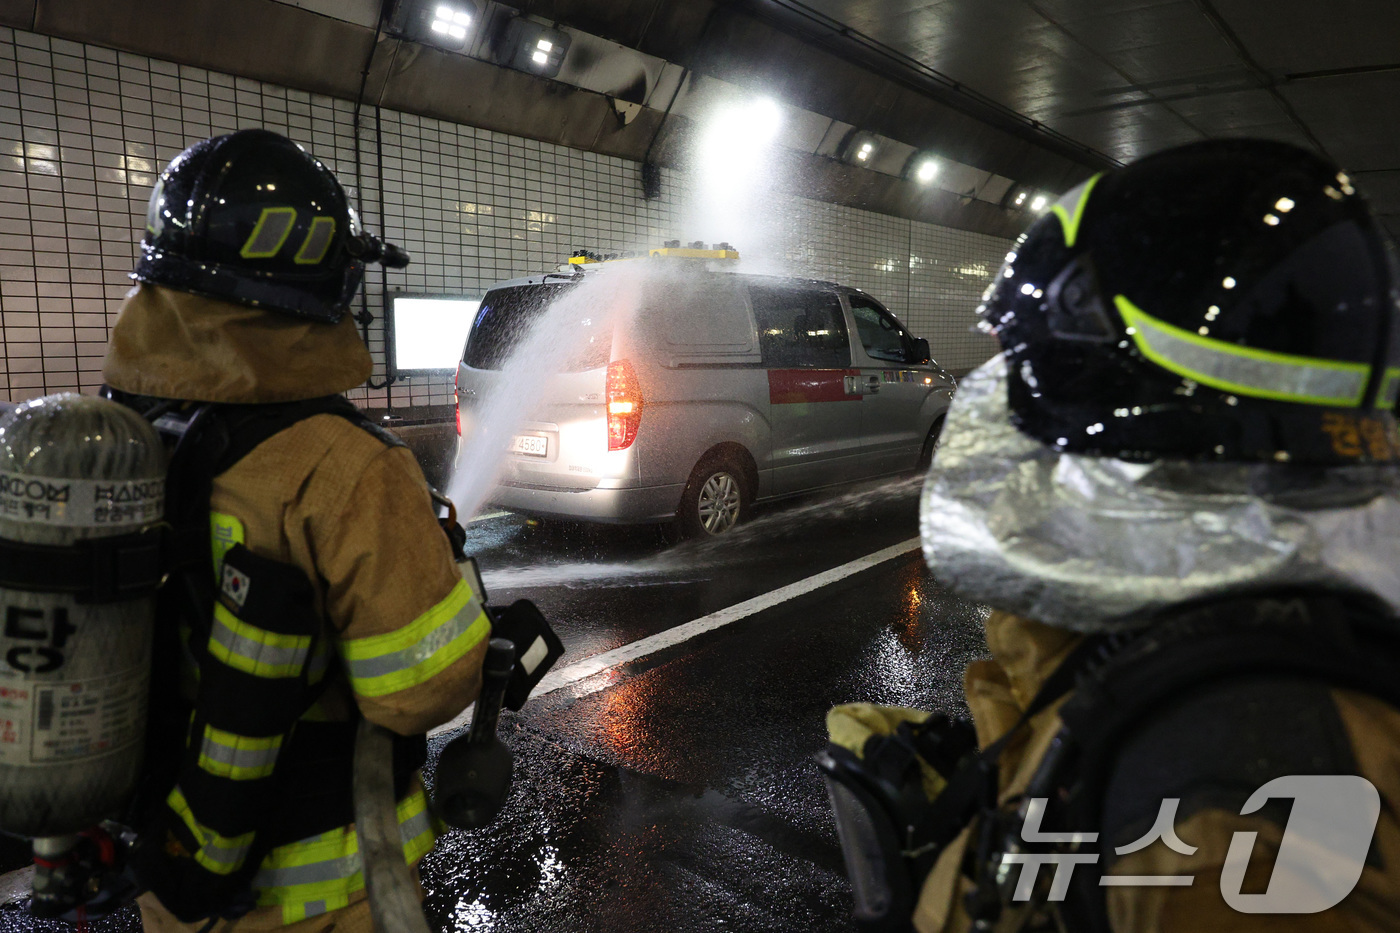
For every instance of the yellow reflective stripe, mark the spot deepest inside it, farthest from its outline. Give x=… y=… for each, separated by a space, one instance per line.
x=317 y=874
x=238 y=757
x=1070 y=222
x=269 y=233
x=254 y=650
x=382 y=664
x=224 y=532
x=1244 y=370
x=1390 y=388
x=219 y=854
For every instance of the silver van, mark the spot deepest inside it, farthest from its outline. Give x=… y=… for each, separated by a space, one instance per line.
x=722 y=389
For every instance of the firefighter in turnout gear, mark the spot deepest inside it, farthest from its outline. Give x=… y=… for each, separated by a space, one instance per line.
x=316 y=585
x=1177 y=488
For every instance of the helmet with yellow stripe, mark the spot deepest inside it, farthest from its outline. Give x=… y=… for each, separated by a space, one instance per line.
x=1227 y=300
x=251 y=217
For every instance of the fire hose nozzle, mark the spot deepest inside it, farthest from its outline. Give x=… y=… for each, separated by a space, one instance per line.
x=474 y=770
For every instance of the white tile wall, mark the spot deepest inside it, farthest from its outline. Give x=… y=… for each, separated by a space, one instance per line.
x=84 y=131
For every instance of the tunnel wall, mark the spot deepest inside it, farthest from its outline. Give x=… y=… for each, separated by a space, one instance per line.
x=84 y=130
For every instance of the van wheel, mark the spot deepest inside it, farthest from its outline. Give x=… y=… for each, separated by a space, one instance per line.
x=715 y=499
x=930 y=446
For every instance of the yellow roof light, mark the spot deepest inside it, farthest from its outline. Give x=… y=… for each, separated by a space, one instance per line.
x=682 y=252
x=672 y=249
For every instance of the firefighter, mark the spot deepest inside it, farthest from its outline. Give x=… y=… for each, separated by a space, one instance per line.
x=236 y=339
x=1177 y=489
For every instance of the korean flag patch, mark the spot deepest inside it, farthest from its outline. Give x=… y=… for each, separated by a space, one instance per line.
x=235 y=585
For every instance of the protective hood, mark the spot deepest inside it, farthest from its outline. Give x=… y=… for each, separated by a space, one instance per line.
x=174 y=344
x=1095 y=544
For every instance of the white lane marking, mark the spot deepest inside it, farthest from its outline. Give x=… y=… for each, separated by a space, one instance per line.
x=598 y=663
x=484 y=516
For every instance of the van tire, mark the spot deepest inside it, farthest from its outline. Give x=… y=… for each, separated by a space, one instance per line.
x=930 y=446
x=720 y=486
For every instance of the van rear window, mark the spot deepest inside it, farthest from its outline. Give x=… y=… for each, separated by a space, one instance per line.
x=507 y=315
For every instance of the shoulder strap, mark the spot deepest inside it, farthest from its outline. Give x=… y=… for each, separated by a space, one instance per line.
x=1319 y=639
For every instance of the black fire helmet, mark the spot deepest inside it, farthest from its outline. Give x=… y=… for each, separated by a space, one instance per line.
x=252 y=218
x=1229 y=300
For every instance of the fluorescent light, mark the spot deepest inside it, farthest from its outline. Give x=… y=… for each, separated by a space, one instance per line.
x=1020 y=199
x=865 y=150
x=1039 y=202
x=540 y=58
x=545 y=45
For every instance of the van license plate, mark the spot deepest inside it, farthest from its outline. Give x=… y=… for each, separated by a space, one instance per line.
x=530 y=445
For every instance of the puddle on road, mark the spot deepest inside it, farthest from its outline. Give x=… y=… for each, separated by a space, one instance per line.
x=693 y=561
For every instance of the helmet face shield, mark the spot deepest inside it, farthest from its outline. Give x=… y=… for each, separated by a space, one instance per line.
x=1223 y=301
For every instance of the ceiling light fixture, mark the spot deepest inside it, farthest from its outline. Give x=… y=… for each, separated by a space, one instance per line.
x=447 y=25
x=533 y=47
x=860 y=148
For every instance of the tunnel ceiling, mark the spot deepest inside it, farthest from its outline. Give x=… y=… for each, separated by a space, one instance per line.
x=1128 y=77
x=1115 y=79
x=1042 y=92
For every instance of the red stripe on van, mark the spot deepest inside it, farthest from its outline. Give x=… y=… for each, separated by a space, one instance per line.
x=791 y=386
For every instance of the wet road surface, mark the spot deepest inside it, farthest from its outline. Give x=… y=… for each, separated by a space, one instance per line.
x=677 y=791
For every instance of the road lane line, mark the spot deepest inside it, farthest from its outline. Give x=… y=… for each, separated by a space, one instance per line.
x=598 y=663
x=485 y=515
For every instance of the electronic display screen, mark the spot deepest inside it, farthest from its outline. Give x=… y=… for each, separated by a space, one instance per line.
x=429 y=331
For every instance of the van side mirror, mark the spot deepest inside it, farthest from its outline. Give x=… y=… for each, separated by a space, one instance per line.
x=922 y=353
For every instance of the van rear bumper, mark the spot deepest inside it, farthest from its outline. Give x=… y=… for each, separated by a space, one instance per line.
x=635 y=505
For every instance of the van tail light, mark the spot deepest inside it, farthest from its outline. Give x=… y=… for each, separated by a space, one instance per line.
x=457 y=399
x=624 y=405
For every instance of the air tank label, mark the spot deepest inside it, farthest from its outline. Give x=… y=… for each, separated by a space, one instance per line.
x=81 y=503
x=56 y=721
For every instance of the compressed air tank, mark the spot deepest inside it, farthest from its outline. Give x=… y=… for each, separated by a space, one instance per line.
x=74 y=666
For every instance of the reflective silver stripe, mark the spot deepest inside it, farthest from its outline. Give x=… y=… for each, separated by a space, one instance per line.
x=332 y=869
x=264 y=654
x=270 y=232
x=240 y=757
x=424 y=639
x=219 y=854
x=317 y=242
x=1245 y=370
x=335 y=869
x=230 y=853
x=406 y=658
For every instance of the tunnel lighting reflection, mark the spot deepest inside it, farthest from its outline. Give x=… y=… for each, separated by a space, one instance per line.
x=1229 y=281
x=1283 y=205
